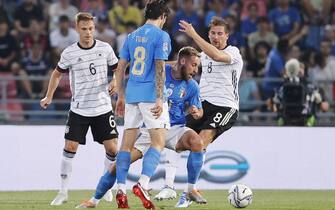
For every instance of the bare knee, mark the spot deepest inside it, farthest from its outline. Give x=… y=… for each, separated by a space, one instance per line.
x=71 y=146
x=111 y=147
x=196 y=144
x=158 y=138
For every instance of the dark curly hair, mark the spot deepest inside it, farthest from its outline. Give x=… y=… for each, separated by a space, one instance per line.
x=156 y=8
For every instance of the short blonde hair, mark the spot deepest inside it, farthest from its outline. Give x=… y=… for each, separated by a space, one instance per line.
x=83 y=16
x=188 y=51
x=218 y=21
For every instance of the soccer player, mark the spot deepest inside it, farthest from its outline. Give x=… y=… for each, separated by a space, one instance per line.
x=146 y=49
x=221 y=69
x=87 y=62
x=182 y=89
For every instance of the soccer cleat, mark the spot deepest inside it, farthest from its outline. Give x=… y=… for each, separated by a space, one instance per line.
x=86 y=205
x=108 y=196
x=196 y=196
x=59 y=200
x=167 y=193
x=144 y=196
x=184 y=201
x=121 y=200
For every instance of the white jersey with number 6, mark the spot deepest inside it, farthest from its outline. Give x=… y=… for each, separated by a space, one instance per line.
x=219 y=81
x=88 y=69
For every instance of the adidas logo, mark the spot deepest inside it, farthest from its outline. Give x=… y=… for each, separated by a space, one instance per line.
x=113 y=132
x=212 y=124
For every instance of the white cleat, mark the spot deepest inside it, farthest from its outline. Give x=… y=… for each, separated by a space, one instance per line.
x=167 y=193
x=183 y=202
x=60 y=199
x=108 y=196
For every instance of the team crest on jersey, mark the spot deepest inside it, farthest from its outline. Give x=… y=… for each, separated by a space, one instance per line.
x=182 y=93
x=98 y=53
x=169 y=92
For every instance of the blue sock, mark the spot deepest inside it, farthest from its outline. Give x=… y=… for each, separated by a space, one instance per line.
x=122 y=166
x=150 y=161
x=106 y=182
x=194 y=164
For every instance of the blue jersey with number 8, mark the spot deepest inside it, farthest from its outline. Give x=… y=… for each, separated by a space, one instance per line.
x=141 y=48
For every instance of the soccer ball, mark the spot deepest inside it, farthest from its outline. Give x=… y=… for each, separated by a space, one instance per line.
x=240 y=196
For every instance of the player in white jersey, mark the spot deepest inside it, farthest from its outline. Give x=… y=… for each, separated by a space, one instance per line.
x=221 y=69
x=87 y=62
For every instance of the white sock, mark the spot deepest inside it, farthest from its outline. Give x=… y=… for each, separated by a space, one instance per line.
x=144 y=181
x=65 y=173
x=109 y=160
x=189 y=187
x=108 y=164
x=122 y=187
x=171 y=166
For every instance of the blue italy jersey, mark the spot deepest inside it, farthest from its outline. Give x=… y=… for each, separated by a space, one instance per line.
x=141 y=48
x=181 y=94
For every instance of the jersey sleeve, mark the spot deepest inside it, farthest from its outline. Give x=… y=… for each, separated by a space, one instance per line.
x=194 y=94
x=163 y=47
x=235 y=55
x=124 y=54
x=64 y=63
x=111 y=57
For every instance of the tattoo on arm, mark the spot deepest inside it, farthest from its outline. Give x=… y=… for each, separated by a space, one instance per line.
x=160 y=78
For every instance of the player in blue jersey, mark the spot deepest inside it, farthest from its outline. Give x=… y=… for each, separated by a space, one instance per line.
x=146 y=49
x=182 y=89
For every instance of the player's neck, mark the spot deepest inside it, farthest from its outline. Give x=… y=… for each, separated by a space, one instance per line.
x=156 y=23
x=223 y=47
x=86 y=45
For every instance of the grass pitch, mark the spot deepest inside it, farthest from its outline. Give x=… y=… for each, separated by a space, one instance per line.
x=263 y=200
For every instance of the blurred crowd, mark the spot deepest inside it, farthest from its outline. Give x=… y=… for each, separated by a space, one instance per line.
x=33 y=33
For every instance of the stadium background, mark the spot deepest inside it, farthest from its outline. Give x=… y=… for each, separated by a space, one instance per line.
x=277 y=158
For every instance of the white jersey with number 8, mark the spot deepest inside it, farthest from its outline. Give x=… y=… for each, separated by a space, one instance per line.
x=219 y=81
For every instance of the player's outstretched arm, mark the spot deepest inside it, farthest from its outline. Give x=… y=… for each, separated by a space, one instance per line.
x=53 y=83
x=209 y=49
x=160 y=80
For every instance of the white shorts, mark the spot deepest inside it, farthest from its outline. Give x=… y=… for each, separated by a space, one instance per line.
x=172 y=137
x=139 y=113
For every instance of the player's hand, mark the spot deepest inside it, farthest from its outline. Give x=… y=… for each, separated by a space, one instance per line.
x=120 y=106
x=44 y=103
x=157 y=109
x=195 y=112
x=112 y=87
x=187 y=28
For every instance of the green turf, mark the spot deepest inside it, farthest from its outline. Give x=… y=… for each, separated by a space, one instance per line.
x=263 y=199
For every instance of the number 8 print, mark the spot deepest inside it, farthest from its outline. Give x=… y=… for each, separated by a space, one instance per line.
x=217 y=117
x=139 y=56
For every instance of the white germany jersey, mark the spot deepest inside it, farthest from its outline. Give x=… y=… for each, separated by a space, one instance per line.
x=219 y=81
x=88 y=69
